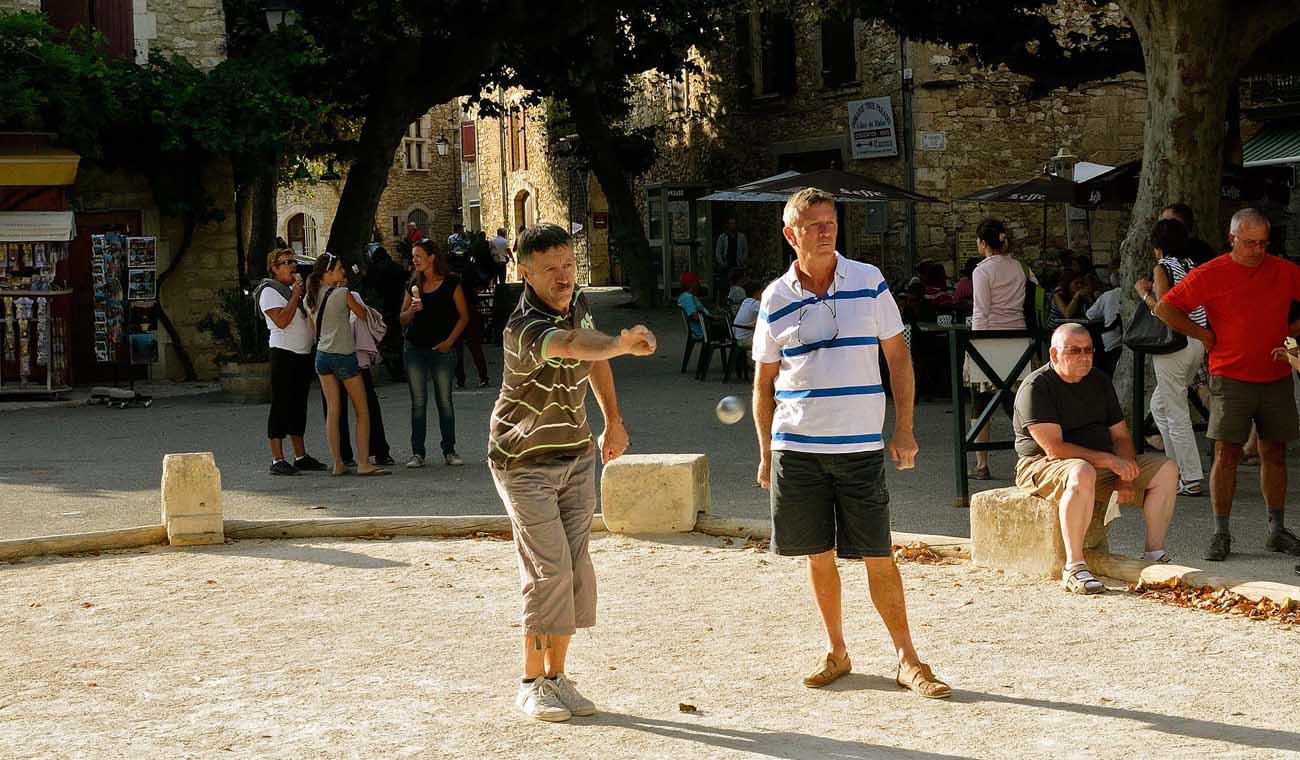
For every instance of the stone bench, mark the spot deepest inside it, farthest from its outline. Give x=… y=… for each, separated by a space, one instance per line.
x=1013 y=530
x=654 y=493
x=191 y=500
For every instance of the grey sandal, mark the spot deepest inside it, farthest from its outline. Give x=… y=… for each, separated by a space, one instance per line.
x=1080 y=580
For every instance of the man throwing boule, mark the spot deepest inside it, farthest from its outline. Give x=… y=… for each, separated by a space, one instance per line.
x=819 y=409
x=542 y=457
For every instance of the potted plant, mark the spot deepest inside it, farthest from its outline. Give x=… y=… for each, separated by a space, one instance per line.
x=241 y=341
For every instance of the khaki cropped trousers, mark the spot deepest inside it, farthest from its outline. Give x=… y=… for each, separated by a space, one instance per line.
x=550 y=506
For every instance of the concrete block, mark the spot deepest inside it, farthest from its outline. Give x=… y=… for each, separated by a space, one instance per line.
x=1013 y=530
x=654 y=493
x=191 y=500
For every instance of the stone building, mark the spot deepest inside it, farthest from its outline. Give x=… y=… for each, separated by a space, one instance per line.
x=194 y=29
x=777 y=94
x=523 y=171
x=423 y=187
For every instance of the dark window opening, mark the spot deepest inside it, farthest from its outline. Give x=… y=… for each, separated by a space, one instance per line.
x=778 y=68
x=839 y=52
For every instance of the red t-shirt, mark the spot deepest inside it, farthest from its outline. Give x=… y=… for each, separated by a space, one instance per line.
x=1247 y=308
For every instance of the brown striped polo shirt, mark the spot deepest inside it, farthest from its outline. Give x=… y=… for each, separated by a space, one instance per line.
x=541 y=412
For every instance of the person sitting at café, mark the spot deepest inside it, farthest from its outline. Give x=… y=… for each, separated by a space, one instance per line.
x=690 y=304
x=1075 y=450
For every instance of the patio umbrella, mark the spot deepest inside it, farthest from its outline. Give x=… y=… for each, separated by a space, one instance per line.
x=1044 y=189
x=744 y=193
x=845 y=186
x=1119 y=186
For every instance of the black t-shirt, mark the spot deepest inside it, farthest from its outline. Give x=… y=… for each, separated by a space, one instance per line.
x=432 y=324
x=1085 y=410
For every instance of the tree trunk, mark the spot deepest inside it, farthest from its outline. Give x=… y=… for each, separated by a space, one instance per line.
x=627 y=232
x=367 y=177
x=263 y=192
x=1191 y=66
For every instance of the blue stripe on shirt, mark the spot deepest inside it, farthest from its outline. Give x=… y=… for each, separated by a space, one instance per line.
x=833 y=343
x=800 y=438
x=839 y=295
x=852 y=390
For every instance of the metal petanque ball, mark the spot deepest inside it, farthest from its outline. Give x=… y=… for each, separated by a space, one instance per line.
x=730 y=410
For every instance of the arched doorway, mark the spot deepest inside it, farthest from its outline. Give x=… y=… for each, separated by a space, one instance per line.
x=525 y=209
x=301 y=233
x=420 y=218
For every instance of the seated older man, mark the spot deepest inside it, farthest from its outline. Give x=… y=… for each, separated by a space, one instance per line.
x=1075 y=449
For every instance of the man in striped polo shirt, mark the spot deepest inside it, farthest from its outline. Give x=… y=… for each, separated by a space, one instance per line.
x=542 y=457
x=819 y=408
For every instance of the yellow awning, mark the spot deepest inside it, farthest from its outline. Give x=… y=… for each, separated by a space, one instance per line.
x=37 y=166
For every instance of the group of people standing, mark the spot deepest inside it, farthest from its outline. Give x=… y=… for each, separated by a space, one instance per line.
x=321 y=327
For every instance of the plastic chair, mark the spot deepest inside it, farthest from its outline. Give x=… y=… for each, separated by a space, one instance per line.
x=691 y=340
x=717 y=336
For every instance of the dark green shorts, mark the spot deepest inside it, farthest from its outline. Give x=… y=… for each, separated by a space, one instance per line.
x=1234 y=404
x=830 y=501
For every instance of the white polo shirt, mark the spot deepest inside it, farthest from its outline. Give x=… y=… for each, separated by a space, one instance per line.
x=829 y=398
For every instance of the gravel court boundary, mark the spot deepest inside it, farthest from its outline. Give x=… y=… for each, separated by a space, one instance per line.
x=407 y=648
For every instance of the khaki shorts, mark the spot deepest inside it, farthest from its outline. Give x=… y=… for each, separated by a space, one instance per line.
x=1047 y=478
x=1234 y=404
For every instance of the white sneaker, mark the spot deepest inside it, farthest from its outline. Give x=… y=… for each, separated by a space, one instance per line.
x=572 y=698
x=541 y=700
x=453 y=459
x=415 y=461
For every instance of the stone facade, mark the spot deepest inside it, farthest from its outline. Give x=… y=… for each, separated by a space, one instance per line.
x=980 y=128
x=194 y=29
x=543 y=183
x=428 y=192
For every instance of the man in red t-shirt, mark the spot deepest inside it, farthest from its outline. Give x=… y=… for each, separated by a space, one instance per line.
x=1247 y=295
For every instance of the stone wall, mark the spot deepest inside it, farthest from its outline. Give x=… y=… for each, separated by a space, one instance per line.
x=542 y=191
x=195 y=29
x=993 y=131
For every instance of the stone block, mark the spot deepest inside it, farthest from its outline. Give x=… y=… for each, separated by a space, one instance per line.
x=654 y=493
x=1013 y=530
x=191 y=500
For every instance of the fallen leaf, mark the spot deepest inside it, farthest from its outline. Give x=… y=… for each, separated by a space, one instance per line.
x=86 y=605
x=683 y=707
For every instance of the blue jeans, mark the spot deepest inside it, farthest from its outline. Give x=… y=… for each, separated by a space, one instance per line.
x=422 y=366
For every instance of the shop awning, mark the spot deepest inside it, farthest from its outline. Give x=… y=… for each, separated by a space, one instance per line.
x=1275 y=144
x=37 y=226
x=37 y=166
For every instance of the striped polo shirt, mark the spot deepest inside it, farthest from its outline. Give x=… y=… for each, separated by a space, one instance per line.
x=541 y=412
x=829 y=398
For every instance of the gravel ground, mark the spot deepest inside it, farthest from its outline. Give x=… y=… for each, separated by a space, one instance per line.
x=408 y=648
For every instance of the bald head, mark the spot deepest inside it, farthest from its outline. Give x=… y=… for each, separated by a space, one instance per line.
x=1061 y=336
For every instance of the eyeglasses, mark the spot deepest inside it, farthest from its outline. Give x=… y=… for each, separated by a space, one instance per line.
x=1248 y=243
x=818 y=322
x=285 y=261
x=1075 y=351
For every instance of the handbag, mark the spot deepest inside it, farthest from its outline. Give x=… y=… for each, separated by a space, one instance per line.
x=1145 y=332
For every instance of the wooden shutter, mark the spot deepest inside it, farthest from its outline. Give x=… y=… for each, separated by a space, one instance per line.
x=744 y=56
x=66 y=15
x=468 y=141
x=523 y=137
x=115 y=19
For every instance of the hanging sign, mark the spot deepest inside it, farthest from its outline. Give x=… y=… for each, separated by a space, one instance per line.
x=871 y=128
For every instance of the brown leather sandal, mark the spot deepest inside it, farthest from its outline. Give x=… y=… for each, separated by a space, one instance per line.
x=828 y=669
x=920 y=679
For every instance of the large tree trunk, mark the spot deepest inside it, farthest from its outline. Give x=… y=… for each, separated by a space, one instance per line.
x=1191 y=66
x=368 y=176
x=263 y=192
x=600 y=145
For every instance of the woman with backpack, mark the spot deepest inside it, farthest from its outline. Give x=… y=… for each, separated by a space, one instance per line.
x=434 y=314
x=330 y=302
x=1176 y=371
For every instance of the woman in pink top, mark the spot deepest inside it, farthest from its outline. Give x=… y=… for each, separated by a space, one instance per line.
x=999 y=293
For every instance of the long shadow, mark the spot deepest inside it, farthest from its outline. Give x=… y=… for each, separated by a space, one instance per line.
x=791 y=745
x=1192 y=728
x=288 y=550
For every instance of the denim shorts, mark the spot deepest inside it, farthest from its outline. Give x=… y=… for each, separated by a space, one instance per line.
x=342 y=366
x=830 y=501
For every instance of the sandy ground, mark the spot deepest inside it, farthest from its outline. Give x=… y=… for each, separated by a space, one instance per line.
x=407 y=648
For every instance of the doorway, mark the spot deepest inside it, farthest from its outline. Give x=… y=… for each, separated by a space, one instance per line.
x=83 y=369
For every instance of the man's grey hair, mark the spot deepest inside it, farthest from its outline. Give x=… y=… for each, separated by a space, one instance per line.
x=1248 y=217
x=1069 y=328
x=802 y=201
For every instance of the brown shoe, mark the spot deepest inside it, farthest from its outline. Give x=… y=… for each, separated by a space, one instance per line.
x=920 y=679
x=828 y=669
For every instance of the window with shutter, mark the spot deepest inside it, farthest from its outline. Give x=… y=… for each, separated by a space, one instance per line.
x=744 y=54
x=468 y=141
x=66 y=15
x=523 y=136
x=777 y=54
x=115 y=19
x=513 y=126
x=677 y=94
